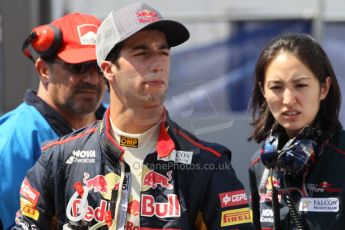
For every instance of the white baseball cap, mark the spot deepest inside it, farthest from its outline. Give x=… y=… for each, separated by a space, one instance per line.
x=123 y=23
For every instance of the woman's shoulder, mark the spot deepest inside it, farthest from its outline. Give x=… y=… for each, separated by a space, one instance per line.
x=338 y=141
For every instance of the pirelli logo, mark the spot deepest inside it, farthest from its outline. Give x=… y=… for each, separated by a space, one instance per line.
x=129 y=142
x=236 y=217
x=28 y=210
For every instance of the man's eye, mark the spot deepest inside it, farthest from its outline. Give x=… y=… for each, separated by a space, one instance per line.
x=166 y=53
x=140 y=54
x=301 y=85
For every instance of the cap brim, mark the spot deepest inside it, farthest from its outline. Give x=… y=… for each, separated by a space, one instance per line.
x=78 y=55
x=175 y=32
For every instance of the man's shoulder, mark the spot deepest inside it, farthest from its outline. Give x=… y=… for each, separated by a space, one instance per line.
x=80 y=137
x=337 y=144
x=21 y=111
x=212 y=149
x=23 y=123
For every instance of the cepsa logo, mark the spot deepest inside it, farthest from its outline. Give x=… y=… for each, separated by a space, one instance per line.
x=234 y=198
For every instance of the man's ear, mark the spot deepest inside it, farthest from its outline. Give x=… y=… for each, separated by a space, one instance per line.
x=107 y=69
x=42 y=70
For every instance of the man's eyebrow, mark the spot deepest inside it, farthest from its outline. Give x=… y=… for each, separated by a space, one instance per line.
x=164 y=46
x=145 y=47
x=139 y=47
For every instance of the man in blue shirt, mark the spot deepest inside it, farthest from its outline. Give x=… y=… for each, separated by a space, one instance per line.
x=68 y=98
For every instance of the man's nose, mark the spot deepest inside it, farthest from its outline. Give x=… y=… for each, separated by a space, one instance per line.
x=92 y=76
x=157 y=63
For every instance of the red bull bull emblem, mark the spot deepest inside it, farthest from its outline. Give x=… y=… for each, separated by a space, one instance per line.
x=97 y=183
x=171 y=208
x=147 y=16
x=153 y=179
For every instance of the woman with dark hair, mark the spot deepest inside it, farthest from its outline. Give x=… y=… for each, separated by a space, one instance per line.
x=296 y=177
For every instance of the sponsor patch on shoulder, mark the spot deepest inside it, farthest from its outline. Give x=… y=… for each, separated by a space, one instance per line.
x=29 y=193
x=129 y=142
x=236 y=217
x=28 y=210
x=310 y=204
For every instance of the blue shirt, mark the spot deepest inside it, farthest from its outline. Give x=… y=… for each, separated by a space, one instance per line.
x=22 y=131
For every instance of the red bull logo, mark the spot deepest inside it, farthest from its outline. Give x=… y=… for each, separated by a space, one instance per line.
x=133 y=208
x=97 y=213
x=153 y=179
x=131 y=226
x=168 y=209
x=97 y=183
x=147 y=16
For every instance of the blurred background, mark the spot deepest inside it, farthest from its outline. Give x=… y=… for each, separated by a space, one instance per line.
x=211 y=74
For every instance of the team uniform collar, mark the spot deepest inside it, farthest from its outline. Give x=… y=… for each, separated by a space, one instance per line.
x=165 y=144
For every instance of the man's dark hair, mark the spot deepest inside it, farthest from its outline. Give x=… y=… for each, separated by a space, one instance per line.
x=114 y=54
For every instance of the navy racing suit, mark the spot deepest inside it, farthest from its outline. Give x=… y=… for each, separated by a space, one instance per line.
x=318 y=195
x=81 y=178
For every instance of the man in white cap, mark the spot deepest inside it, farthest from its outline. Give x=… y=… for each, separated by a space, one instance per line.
x=136 y=168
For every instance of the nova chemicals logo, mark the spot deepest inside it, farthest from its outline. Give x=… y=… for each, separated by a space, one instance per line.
x=82 y=156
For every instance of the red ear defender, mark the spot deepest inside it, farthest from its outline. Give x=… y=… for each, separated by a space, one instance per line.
x=46 y=40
